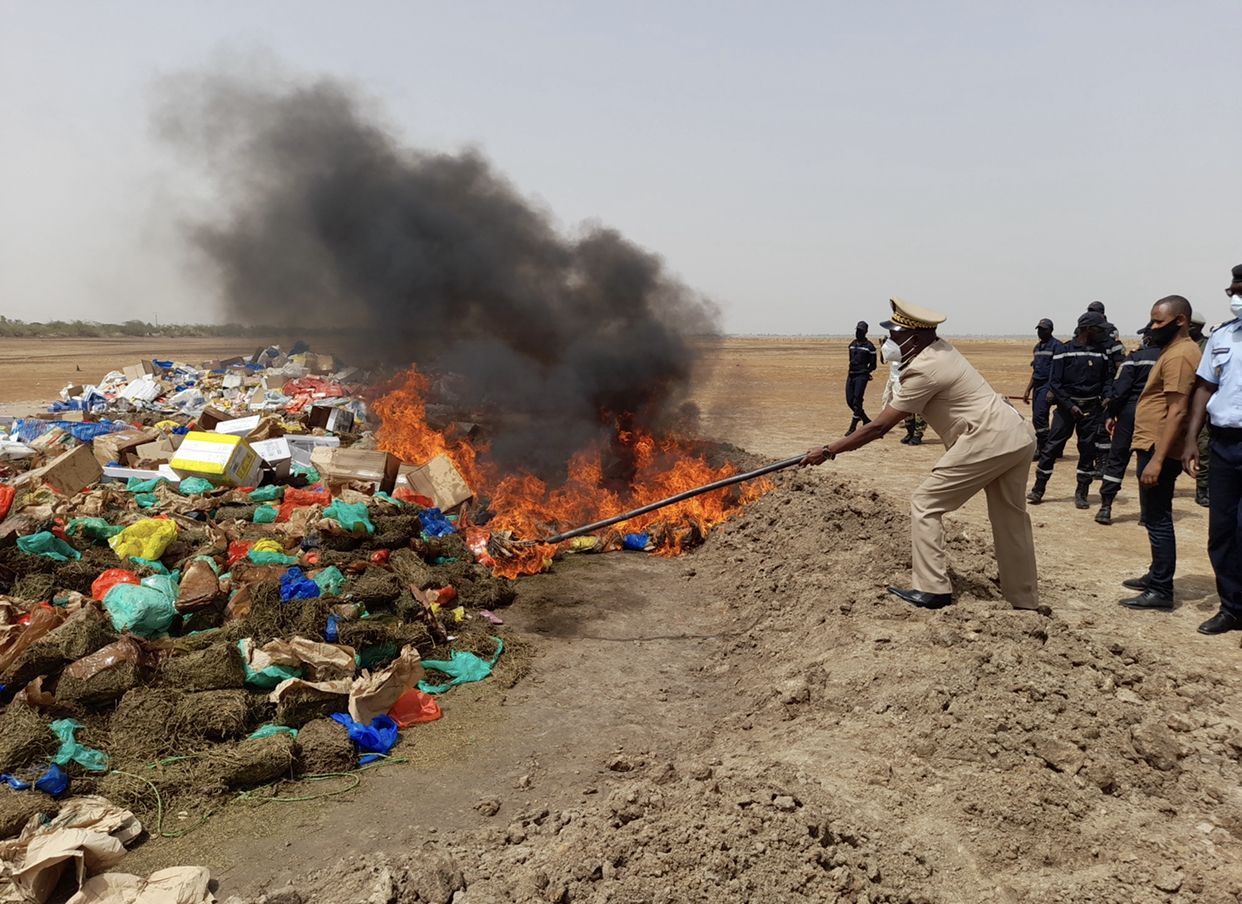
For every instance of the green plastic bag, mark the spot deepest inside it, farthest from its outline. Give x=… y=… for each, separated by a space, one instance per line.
x=142 y=610
x=92 y=528
x=271 y=558
x=47 y=545
x=72 y=752
x=266 y=514
x=267 y=494
x=331 y=582
x=464 y=668
x=195 y=486
x=266 y=731
x=350 y=516
x=269 y=677
x=311 y=475
x=146 y=500
x=382 y=495
x=154 y=564
x=138 y=485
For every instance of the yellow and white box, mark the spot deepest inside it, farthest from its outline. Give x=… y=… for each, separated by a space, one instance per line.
x=226 y=461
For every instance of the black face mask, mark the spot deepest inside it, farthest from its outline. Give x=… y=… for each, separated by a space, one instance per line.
x=1162 y=336
x=860 y=334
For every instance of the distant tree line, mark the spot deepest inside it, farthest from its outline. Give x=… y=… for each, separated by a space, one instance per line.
x=137 y=329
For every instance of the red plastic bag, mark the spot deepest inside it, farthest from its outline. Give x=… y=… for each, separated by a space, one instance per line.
x=238 y=550
x=7 y=495
x=405 y=494
x=295 y=499
x=380 y=557
x=110 y=579
x=413 y=707
x=447 y=595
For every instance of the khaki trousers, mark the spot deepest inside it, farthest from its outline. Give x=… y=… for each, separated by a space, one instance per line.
x=947 y=489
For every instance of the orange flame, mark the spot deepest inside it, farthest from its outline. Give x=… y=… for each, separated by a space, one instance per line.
x=529 y=509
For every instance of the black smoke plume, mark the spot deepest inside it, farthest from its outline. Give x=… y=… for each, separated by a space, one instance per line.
x=322 y=218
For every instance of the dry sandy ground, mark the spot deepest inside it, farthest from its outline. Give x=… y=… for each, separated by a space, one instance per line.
x=760 y=721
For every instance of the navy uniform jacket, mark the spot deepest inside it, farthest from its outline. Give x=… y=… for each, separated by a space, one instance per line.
x=862 y=356
x=1131 y=378
x=1041 y=362
x=1081 y=371
x=1113 y=348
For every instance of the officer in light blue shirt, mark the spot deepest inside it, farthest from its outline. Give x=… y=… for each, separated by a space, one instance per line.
x=1218 y=399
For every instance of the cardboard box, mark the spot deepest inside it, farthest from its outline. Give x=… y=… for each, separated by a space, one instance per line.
x=438 y=480
x=113 y=474
x=239 y=426
x=334 y=420
x=212 y=416
x=162 y=449
x=340 y=465
x=224 y=460
x=113 y=447
x=301 y=446
x=138 y=371
x=69 y=473
x=321 y=364
x=276 y=454
x=275 y=381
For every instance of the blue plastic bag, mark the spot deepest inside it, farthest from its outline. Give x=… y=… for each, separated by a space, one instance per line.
x=294 y=585
x=435 y=524
x=46 y=544
x=378 y=737
x=463 y=668
x=14 y=782
x=141 y=610
x=636 y=542
x=54 y=782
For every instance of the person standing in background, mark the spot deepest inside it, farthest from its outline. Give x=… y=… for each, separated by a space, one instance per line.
x=862 y=363
x=1037 y=393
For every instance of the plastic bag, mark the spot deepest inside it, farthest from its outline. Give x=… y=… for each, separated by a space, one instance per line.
x=154 y=564
x=294 y=585
x=144 y=611
x=110 y=579
x=266 y=494
x=266 y=731
x=636 y=542
x=195 y=486
x=267 y=546
x=414 y=707
x=138 y=485
x=266 y=676
x=14 y=782
x=43 y=618
x=92 y=528
x=265 y=514
x=463 y=668
x=331 y=582
x=378 y=737
x=147 y=539
x=54 y=782
x=271 y=558
x=167 y=584
x=435 y=524
x=352 y=517
x=7 y=495
x=72 y=752
x=47 y=545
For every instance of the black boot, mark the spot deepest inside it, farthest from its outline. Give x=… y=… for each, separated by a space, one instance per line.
x=1105 y=514
x=853 y=427
x=1201 y=496
x=1036 y=495
x=916 y=440
x=1080 y=495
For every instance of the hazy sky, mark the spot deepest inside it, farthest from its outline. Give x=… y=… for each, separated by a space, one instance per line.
x=797 y=162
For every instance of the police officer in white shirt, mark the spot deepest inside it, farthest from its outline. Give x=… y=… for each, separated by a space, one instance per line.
x=1218 y=398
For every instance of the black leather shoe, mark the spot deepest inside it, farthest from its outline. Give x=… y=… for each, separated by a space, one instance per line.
x=1221 y=622
x=1135 y=583
x=905 y=440
x=1149 y=599
x=1104 y=515
x=916 y=440
x=1080 y=497
x=921 y=599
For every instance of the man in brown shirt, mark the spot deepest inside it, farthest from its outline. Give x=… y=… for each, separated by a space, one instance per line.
x=1159 y=437
x=989 y=448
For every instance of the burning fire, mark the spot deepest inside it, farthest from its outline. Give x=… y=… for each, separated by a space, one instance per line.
x=525 y=508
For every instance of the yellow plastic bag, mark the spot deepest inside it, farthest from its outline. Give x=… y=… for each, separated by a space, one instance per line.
x=267 y=546
x=146 y=539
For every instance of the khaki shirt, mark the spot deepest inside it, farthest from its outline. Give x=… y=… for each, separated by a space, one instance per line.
x=1174 y=371
x=974 y=420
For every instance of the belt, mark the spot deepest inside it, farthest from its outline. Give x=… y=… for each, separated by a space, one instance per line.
x=1229 y=434
x=1086 y=401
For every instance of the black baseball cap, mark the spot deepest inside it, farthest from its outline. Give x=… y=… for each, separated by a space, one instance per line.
x=1044 y=324
x=1146 y=329
x=1237 y=273
x=1091 y=318
x=862 y=325
x=1096 y=307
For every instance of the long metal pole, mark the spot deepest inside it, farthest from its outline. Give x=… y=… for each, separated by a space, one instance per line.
x=688 y=494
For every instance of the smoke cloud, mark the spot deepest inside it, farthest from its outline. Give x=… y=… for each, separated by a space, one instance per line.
x=321 y=217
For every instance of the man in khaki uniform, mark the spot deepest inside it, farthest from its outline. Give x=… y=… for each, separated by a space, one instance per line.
x=990 y=448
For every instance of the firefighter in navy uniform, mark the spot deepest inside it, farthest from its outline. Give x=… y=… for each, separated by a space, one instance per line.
x=1131 y=378
x=1082 y=378
x=1036 y=394
x=862 y=363
x=1116 y=351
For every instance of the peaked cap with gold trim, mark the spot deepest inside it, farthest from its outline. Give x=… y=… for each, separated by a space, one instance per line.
x=908 y=316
